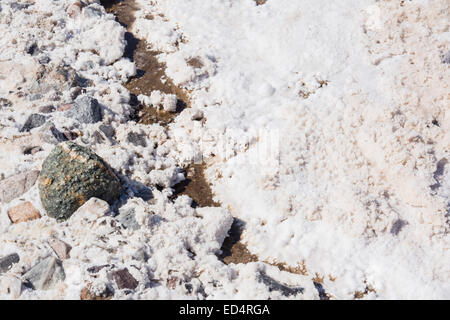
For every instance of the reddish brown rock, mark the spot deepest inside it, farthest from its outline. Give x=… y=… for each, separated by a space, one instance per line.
x=23 y=212
x=124 y=279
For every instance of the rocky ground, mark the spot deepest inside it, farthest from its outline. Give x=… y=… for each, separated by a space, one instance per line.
x=96 y=202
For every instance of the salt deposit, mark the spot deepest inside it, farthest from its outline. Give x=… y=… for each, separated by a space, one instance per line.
x=324 y=127
x=355 y=96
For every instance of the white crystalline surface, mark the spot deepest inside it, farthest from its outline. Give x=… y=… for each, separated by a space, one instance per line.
x=327 y=131
x=324 y=126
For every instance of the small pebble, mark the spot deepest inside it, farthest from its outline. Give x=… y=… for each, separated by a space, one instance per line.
x=34 y=120
x=16 y=185
x=61 y=248
x=23 y=212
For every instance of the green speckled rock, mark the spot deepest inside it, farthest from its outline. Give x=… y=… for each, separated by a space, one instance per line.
x=70 y=176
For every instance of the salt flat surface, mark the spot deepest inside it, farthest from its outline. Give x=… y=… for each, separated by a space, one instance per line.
x=350 y=90
x=325 y=129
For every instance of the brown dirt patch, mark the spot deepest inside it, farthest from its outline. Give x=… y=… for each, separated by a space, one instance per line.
x=196 y=187
x=150 y=72
x=233 y=250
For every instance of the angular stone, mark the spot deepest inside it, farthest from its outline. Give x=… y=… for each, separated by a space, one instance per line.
x=44 y=60
x=138 y=139
x=7 y=262
x=127 y=218
x=34 y=120
x=19 y=6
x=61 y=248
x=92 y=210
x=47 y=109
x=45 y=274
x=107 y=130
x=96 y=269
x=85 y=109
x=70 y=176
x=23 y=212
x=124 y=279
x=48 y=133
x=15 y=186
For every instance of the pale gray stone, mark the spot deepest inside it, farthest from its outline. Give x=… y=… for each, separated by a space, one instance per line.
x=127 y=218
x=45 y=274
x=16 y=185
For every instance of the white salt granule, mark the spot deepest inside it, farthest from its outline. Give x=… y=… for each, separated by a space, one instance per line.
x=159 y=99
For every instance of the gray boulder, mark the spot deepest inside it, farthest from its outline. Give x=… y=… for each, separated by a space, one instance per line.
x=70 y=176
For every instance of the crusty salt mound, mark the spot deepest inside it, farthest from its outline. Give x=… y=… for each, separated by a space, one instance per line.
x=327 y=132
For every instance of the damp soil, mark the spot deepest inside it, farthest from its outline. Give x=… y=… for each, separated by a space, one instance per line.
x=196 y=187
x=233 y=249
x=151 y=76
